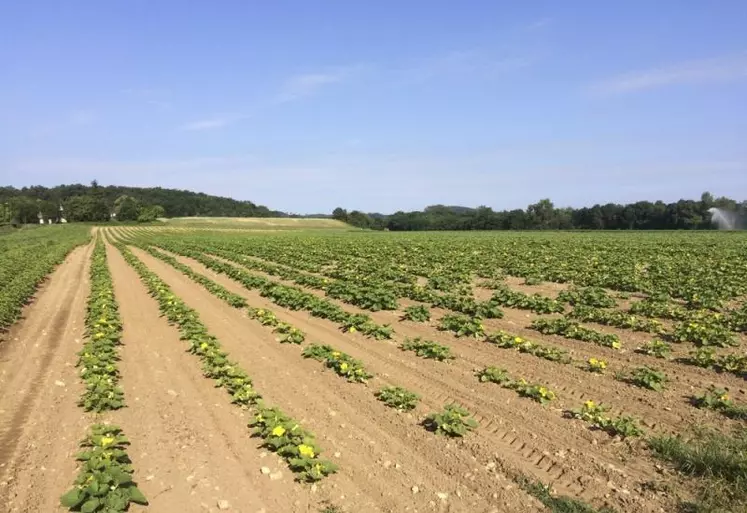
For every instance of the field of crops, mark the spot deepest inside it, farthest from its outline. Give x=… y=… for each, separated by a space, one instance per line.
x=197 y=369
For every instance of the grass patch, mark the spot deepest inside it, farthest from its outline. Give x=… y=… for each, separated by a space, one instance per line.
x=720 y=460
x=556 y=504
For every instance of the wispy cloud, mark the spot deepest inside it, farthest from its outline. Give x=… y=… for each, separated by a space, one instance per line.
x=720 y=69
x=212 y=123
x=308 y=84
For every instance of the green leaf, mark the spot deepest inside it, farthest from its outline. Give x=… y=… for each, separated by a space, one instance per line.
x=137 y=496
x=72 y=498
x=90 y=506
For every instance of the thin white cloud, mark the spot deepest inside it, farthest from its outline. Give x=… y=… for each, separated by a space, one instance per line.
x=308 y=84
x=719 y=69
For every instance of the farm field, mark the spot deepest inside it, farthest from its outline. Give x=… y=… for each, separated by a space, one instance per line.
x=313 y=370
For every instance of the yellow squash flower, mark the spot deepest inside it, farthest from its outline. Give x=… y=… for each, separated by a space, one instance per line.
x=278 y=431
x=306 y=451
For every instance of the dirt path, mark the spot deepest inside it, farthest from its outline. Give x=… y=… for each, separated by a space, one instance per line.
x=382 y=454
x=40 y=424
x=191 y=447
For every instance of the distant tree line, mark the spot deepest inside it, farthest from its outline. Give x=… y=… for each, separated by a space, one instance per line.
x=95 y=203
x=543 y=215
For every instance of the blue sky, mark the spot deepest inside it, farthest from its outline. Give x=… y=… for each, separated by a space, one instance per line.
x=380 y=106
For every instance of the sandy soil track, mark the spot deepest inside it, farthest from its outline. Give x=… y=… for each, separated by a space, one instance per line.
x=40 y=424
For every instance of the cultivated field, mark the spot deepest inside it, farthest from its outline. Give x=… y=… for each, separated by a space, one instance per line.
x=307 y=371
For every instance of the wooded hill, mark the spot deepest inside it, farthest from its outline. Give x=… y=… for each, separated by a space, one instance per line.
x=96 y=203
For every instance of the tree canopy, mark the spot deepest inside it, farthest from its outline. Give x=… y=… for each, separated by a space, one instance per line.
x=97 y=203
x=543 y=215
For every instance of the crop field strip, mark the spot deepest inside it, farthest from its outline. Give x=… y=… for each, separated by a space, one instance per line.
x=654 y=399
x=346 y=430
x=37 y=375
x=556 y=383
x=675 y=421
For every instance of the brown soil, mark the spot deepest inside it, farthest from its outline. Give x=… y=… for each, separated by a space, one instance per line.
x=554 y=451
x=40 y=424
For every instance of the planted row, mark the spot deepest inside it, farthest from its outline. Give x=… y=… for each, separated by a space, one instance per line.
x=537 y=392
x=228 y=375
x=104 y=483
x=574 y=330
x=98 y=358
x=293 y=297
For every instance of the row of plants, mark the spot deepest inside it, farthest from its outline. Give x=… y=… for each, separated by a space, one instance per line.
x=508 y=341
x=537 y=303
x=427 y=349
x=343 y=364
x=595 y=297
x=227 y=374
x=718 y=399
x=105 y=477
x=573 y=330
x=214 y=288
x=98 y=357
x=30 y=257
x=616 y=318
x=538 y=392
x=292 y=297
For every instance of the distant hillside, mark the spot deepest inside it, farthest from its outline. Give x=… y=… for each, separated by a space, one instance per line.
x=176 y=203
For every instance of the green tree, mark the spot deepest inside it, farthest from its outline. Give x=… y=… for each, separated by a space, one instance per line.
x=126 y=208
x=340 y=214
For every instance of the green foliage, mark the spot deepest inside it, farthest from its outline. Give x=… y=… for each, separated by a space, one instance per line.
x=509 y=341
x=539 y=393
x=427 y=349
x=574 y=330
x=26 y=259
x=587 y=296
x=284 y=436
x=176 y=203
x=343 y=364
x=718 y=460
x=656 y=348
x=398 y=398
x=462 y=325
x=596 y=415
x=416 y=313
x=615 y=318
x=553 y=503
x=646 y=377
x=704 y=330
x=98 y=358
x=453 y=421
x=718 y=399
x=535 y=302
x=104 y=483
